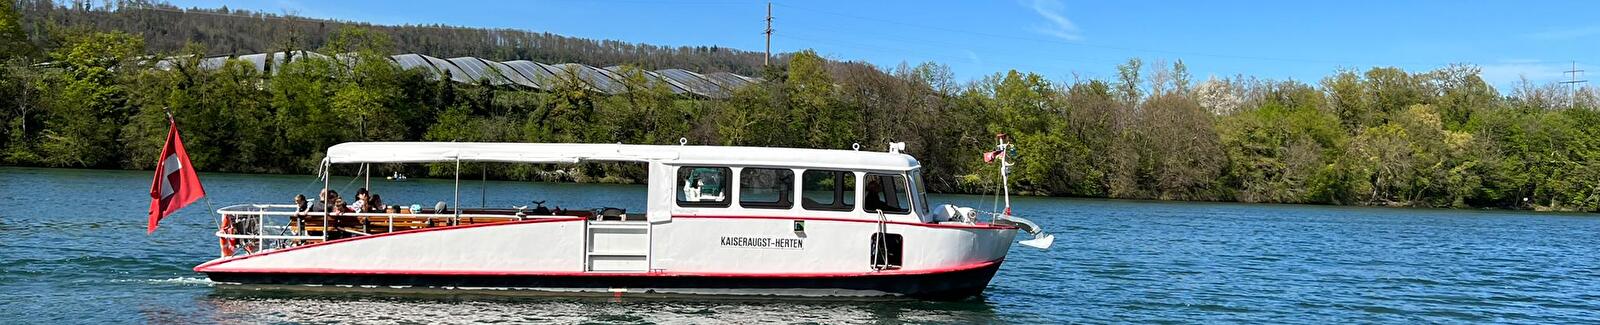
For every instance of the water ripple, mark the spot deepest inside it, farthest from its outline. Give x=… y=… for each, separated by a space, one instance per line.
x=1114 y=262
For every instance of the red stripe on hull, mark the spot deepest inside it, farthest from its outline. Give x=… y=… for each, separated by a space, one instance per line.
x=917 y=224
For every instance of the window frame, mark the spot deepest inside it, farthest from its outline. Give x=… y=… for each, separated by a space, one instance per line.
x=781 y=204
x=838 y=204
x=728 y=188
x=905 y=184
x=919 y=193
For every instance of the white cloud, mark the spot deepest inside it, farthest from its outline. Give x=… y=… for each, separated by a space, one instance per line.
x=973 y=56
x=1508 y=73
x=1566 y=33
x=1059 y=25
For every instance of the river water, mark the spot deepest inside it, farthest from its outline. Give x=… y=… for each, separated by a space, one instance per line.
x=73 y=250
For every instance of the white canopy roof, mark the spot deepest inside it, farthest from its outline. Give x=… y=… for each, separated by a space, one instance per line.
x=424 y=152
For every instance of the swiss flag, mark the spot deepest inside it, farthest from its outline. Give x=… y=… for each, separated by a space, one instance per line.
x=990 y=156
x=176 y=184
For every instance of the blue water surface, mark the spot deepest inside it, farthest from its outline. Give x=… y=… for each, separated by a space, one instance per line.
x=73 y=249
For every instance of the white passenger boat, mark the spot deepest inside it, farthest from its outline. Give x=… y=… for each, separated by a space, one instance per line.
x=718 y=220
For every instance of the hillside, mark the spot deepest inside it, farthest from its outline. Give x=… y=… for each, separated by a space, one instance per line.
x=167 y=29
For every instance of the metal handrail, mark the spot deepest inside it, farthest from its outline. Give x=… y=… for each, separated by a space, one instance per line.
x=233 y=210
x=883 y=243
x=283 y=235
x=237 y=236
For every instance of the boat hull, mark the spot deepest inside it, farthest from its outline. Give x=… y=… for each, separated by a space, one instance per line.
x=939 y=285
x=690 y=255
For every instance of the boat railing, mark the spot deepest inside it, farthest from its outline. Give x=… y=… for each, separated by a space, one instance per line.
x=1040 y=239
x=252 y=228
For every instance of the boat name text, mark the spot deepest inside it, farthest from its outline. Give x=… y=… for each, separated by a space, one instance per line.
x=763 y=242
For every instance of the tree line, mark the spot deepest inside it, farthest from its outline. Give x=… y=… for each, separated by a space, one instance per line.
x=1379 y=136
x=168 y=29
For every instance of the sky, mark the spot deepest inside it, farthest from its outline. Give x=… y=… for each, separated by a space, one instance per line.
x=1059 y=39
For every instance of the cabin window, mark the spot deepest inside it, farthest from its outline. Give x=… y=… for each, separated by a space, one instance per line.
x=766 y=188
x=703 y=186
x=887 y=193
x=828 y=190
x=920 y=189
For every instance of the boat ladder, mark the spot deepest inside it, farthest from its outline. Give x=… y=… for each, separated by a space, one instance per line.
x=616 y=246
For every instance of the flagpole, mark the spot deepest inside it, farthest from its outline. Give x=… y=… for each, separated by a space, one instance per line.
x=168 y=195
x=217 y=223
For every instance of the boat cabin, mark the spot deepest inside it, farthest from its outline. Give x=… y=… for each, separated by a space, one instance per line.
x=683 y=180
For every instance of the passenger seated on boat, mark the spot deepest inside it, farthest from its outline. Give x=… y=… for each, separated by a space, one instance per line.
x=704 y=184
x=339 y=207
x=874 y=201
x=374 y=205
x=300 y=204
x=362 y=197
x=323 y=200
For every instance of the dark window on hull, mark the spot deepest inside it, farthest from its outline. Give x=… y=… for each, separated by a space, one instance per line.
x=886 y=251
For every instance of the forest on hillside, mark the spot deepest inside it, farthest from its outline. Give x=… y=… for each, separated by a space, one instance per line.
x=168 y=29
x=1376 y=136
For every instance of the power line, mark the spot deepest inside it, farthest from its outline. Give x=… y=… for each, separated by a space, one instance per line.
x=926 y=56
x=766 y=60
x=1573 y=84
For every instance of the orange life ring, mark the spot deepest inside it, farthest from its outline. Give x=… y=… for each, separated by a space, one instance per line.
x=227 y=229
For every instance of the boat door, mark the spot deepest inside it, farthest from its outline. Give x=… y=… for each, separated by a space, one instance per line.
x=886 y=197
x=612 y=245
x=625 y=243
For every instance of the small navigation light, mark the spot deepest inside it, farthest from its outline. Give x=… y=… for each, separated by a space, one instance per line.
x=799 y=226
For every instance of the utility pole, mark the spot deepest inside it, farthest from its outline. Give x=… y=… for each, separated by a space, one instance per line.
x=1572 y=85
x=768 y=59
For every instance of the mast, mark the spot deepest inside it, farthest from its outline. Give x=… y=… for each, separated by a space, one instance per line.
x=1005 y=167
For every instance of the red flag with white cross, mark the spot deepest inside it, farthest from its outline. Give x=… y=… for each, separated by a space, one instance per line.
x=176 y=184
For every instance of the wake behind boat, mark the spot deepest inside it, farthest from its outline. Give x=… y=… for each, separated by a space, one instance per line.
x=718 y=220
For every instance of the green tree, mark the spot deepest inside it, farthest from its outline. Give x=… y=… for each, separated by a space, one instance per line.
x=85 y=96
x=1276 y=152
x=813 y=111
x=14 y=41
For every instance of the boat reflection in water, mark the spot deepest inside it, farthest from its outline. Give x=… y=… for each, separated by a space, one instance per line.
x=248 y=304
